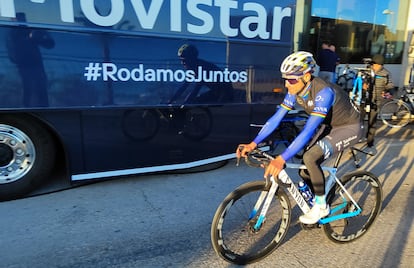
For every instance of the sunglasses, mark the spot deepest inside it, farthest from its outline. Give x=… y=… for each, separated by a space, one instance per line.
x=292 y=81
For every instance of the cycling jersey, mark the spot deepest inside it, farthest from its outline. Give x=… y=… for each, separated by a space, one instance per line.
x=325 y=103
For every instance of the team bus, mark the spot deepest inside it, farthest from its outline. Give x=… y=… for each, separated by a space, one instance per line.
x=107 y=88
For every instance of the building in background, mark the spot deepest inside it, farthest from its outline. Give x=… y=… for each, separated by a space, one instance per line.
x=359 y=29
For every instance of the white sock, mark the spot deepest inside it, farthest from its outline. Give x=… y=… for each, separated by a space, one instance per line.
x=320 y=200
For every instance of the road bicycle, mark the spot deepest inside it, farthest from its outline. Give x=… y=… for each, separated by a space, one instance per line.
x=358 y=94
x=346 y=79
x=398 y=113
x=193 y=123
x=252 y=221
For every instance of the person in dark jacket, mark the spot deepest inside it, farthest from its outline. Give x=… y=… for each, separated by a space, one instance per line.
x=327 y=59
x=382 y=83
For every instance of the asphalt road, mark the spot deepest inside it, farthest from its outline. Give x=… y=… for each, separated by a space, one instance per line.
x=164 y=221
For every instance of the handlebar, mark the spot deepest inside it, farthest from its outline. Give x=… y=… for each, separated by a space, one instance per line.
x=257 y=158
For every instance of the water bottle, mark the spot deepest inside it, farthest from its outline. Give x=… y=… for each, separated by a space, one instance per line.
x=306 y=192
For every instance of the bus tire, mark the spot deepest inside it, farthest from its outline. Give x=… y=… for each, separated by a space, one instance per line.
x=27 y=155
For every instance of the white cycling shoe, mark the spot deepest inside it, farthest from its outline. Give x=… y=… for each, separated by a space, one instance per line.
x=316 y=213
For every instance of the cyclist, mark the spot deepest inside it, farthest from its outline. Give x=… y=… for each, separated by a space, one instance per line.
x=201 y=91
x=332 y=126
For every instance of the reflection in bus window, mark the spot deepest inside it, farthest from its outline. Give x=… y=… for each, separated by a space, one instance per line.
x=23 y=46
x=207 y=87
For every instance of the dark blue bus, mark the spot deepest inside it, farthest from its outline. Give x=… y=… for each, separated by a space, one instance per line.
x=106 y=88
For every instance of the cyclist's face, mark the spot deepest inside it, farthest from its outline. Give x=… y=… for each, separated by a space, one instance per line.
x=376 y=67
x=295 y=86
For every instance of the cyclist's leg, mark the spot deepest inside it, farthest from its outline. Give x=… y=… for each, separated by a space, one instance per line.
x=312 y=159
x=304 y=173
x=372 y=120
x=336 y=141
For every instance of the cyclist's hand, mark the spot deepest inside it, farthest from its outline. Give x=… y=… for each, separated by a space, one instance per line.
x=274 y=167
x=244 y=149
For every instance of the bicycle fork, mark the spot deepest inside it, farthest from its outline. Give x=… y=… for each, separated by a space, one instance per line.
x=267 y=197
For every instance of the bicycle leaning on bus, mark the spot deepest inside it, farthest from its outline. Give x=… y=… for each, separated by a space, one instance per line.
x=252 y=221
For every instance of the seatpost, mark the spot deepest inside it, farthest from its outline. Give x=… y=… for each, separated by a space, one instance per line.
x=338 y=159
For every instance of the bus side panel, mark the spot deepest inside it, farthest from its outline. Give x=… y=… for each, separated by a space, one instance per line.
x=109 y=124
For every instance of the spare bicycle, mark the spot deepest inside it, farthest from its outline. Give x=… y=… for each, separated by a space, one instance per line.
x=253 y=220
x=398 y=112
x=346 y=79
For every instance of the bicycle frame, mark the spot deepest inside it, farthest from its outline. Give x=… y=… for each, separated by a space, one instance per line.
x=285 y=179
x=357 y=89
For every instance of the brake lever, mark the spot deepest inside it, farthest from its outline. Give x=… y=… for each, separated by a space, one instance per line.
x=240 y=149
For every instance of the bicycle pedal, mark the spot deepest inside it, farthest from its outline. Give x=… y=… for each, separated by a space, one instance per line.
x=309 y=226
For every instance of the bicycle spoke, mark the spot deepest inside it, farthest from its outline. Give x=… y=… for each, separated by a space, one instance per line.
x=395 y=114
x=366 y=191
x=235 y=237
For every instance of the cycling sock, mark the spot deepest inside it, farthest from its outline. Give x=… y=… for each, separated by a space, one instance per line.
x=320 y=200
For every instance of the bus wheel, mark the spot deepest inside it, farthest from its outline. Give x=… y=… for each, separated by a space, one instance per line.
x=27 y=155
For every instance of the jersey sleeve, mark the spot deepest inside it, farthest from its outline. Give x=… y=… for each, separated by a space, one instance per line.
x=323 y=103
x=274 y=121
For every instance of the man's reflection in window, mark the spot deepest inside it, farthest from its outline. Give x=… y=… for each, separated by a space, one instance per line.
x=202 y=91
x=23 y=46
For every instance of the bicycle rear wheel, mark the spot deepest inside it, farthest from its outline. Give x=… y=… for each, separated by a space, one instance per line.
x=395 y=113
x=366 y=190
x=232 y=234
x=198 y=123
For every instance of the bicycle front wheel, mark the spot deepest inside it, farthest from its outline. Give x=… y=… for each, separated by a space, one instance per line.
x=366 y=190
x=233 y=235
x=395 y=114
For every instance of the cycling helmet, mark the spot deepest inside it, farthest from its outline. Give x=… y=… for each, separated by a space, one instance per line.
x=187 y=51
x=297 y=64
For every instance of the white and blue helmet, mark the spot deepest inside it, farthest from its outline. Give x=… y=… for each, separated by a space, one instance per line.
x=297 y=64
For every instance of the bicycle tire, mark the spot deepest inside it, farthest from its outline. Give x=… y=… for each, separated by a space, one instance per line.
x=366 y=190
x=395 y=114
x=140 y=125
x=198 y=123
x=232 y=236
